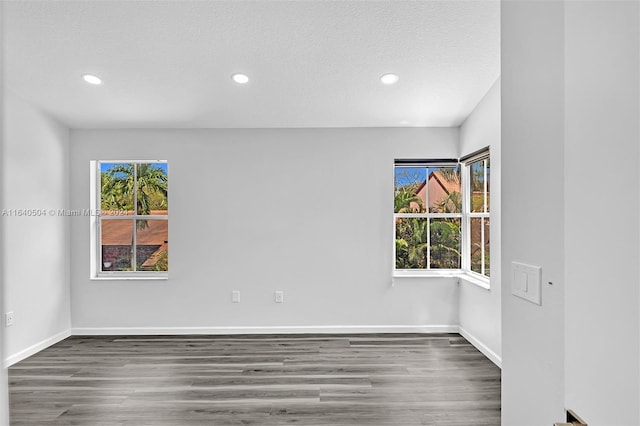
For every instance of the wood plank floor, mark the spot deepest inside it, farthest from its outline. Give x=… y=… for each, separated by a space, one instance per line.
x=369 y=379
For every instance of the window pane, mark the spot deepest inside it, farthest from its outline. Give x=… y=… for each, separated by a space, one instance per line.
x=445 y=243
x=486 y=247
x=152 y=245
x=411 y=243
x=477 y=186
x=151 y=188
x=476 y=244
x=117 y=240
x=444 y=190
x=480 y=248
x=116 y=187
x=410 y=190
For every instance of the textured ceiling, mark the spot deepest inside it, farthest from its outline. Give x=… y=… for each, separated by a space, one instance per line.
x=311 y=63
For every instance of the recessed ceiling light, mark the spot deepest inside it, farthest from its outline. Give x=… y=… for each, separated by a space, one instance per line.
x=389 y=78
x=91 y=79
x=240 y=78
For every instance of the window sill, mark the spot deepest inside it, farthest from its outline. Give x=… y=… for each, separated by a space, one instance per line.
x=129 y=278
x=426 y=274
x=469 y=278
x=479 y=281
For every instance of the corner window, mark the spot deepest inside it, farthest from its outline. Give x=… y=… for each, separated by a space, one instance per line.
x=477 y=214
x=442 y=217
x=427 y=216
x=131 y=219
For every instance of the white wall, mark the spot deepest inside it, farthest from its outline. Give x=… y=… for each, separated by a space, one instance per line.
x=602 y=108
x=571 y=125
x=4 y=388
x=35 y=260
x=532 y=209
x=306 y=211
x=480 y=310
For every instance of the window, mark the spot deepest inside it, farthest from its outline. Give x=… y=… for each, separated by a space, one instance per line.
x=130 y=225
x=477 y=217
x=442 y=217
x=427 y=216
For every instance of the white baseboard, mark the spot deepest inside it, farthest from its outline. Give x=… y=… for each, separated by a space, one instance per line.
x=486 y=351
x=34 y=349
x=103 y=331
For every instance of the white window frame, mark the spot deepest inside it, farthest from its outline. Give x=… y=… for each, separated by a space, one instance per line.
x=466 y=163
x=96 y=272
x=426 y=272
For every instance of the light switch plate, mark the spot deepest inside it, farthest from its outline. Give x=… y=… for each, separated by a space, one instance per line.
x=526 y=281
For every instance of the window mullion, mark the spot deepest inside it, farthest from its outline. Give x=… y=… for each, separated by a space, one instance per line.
x=428 y=243
x=482 y=245
x=426 y=209
x=135 y=220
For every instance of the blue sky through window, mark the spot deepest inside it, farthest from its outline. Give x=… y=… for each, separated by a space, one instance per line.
x=408 y=175
x=104 y=167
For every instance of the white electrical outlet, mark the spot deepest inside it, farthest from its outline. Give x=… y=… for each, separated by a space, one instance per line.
x=279 y=296
x=235 y=296
x=8 y=319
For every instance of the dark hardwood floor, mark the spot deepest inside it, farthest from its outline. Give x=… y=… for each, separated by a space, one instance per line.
x=369 y=379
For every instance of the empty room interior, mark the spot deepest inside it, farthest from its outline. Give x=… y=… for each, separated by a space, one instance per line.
x=320 y=212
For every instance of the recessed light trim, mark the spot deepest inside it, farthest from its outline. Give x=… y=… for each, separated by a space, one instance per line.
x=92 y=79
x=240 y=78
x=389 y=78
